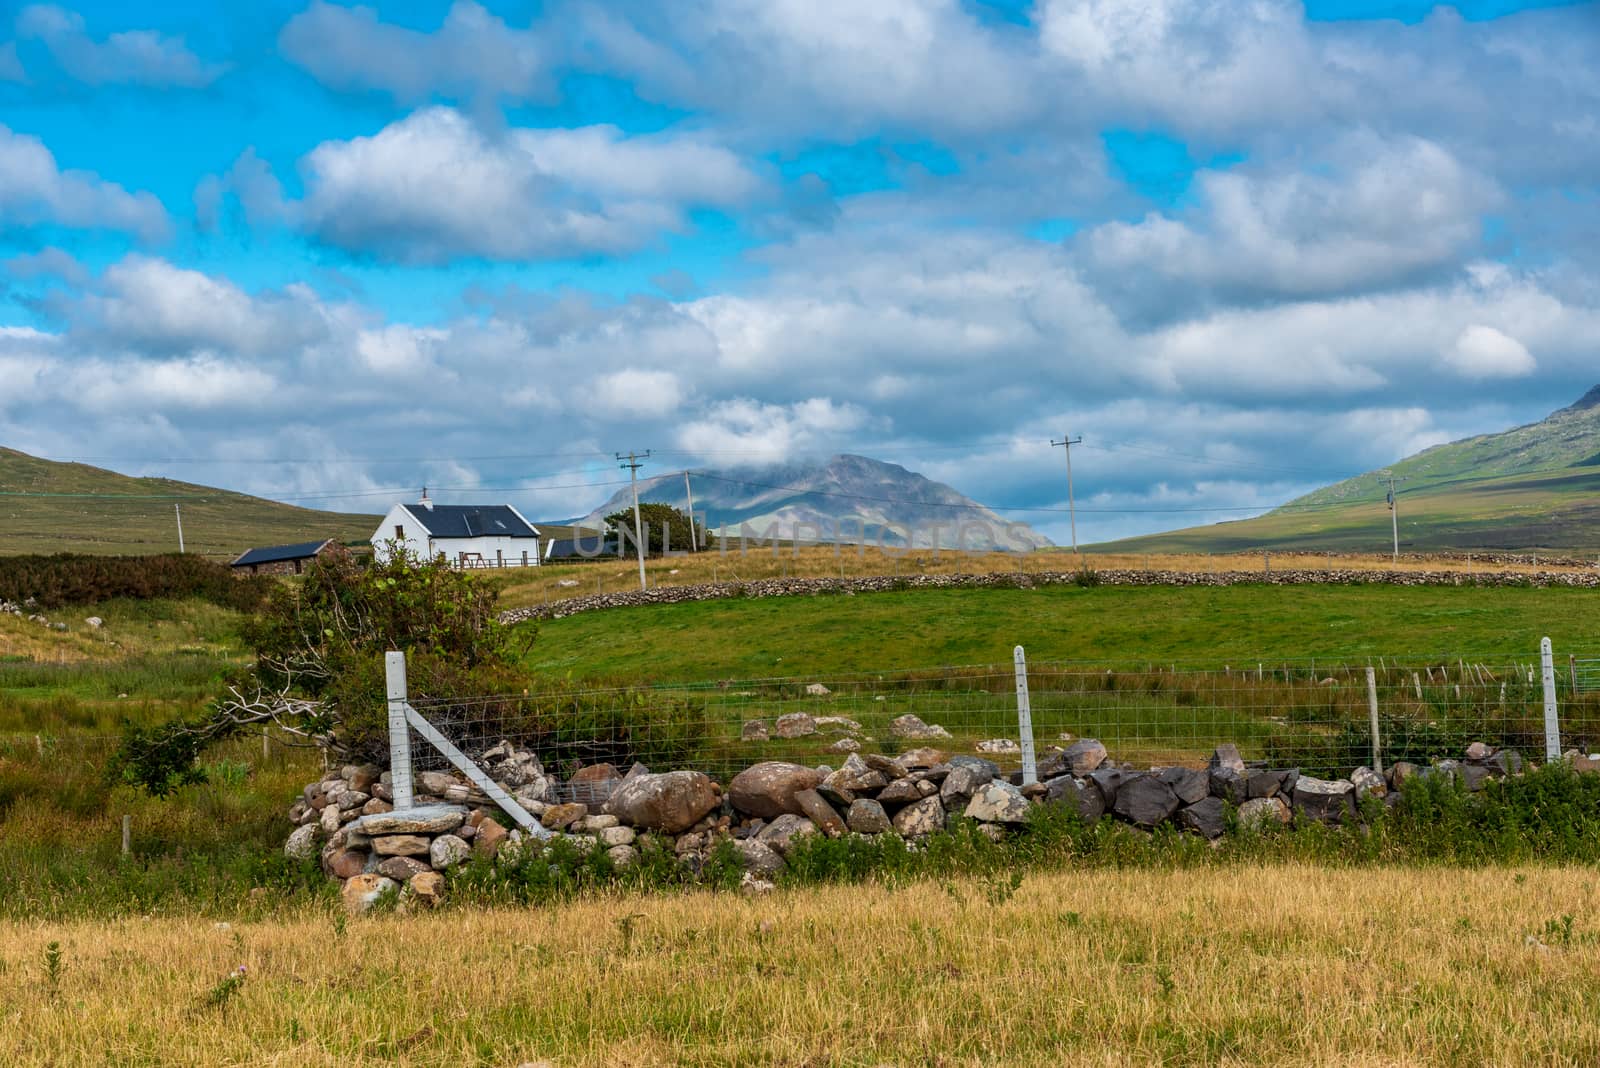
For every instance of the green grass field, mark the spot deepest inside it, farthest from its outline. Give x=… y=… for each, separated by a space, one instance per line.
x=49 y=507
x=819 y=636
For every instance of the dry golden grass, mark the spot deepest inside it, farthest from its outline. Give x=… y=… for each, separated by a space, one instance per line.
x=522 y=588
x=1238 y=965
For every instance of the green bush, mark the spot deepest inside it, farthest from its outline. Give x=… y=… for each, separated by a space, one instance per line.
x=74 y=578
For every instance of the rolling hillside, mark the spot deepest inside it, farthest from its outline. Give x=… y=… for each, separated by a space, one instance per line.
x=48 y=507
x=1532 y=487
x=846 y=493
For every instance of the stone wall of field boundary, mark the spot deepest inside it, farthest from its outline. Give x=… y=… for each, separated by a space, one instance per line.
x=815 y=587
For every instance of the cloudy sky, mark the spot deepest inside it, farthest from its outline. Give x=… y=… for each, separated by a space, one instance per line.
x=324 y=252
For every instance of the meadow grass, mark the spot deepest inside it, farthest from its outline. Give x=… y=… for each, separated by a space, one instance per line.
x=1249 y=964
x=1241 y=625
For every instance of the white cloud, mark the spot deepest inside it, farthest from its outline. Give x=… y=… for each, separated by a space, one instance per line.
x=136 y=57
x=1484 y=352
x=35 y=191
x=48 y=263
x=472 y=53
x=434 y=187
x=747 y=431
x=151 y=304
x=634 y=393
x=837 y=66
x=1385 y=212
x=249 y=181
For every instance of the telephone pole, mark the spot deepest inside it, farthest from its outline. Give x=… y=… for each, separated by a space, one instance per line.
x=1394 y=512
x=694 y=534
x=1072 y=508
x=633 y=461
x=177 y=510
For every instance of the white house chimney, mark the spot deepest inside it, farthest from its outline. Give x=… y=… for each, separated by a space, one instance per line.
x=425 y=502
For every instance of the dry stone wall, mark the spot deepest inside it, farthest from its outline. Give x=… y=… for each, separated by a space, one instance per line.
x=811 y=587
x=346 y=819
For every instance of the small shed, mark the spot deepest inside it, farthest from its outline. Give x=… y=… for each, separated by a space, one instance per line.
x=280 y=559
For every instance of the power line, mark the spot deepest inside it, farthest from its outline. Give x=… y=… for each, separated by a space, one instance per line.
x=634 y=461
x=1068 y=442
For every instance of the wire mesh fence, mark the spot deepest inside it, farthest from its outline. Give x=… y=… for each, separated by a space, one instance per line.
x=1314 y=715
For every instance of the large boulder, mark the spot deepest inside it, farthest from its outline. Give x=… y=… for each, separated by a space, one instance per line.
x=1109 y=780
x=912 y=727
x=592 y=785
x=866 y=816
x=1324 y=800
x=1145 y=801
x=1084 y=756
x=900 y=792
x=759 y=857
x=1204 y=817
x=1260 y=813
x=428 y=819
x=983 y=770
x=959 y=786
x=923 y=817
x=819 y=812
x=767 y=789
x=781 y=833
x=400 y=845
x=1265 y=783
x=670 y=802
x=448 y=850
x=795 y=725
x=1080 y=795
x=1226 y=755
x=1189 y=784
x=1367 y=781
x=998 y=802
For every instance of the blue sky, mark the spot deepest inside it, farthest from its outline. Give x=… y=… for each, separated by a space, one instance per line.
x=316 y=250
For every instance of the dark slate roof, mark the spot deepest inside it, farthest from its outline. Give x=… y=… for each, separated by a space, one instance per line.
x=471 y=521
x=273 y=554
x=592 y=545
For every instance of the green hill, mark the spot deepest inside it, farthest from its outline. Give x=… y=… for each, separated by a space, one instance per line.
x=48 y=507
x=1532 y=487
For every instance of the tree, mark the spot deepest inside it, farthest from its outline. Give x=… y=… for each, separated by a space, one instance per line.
x=657 y=518
x=319 y=649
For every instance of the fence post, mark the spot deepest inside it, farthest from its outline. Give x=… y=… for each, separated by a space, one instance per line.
x=1372 y=709
x=394 y=665
x=1030 y=769
x=127 y=835
x=1552 y=724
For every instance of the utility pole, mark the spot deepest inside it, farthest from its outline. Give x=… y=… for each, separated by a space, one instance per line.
x=177 y=510
x=694 y=535
x=1072 y=509
x=634 y=461
x=1394 y=512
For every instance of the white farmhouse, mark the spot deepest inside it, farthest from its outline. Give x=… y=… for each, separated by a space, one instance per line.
x=468 y=535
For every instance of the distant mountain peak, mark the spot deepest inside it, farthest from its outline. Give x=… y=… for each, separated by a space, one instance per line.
x=1589 y=400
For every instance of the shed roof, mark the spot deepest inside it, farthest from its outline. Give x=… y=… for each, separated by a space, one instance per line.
x=273 y=554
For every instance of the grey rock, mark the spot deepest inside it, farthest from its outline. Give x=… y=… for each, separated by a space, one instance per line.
x=435 y=782
x=1189 y=784
x=1227 y=755
x=998 y=802
x=448 y=850
x=1400 y=772
x=1505 y=762
x=901 y=792
x=1081 y=795
x=781 y=833
x=1260 y=813
x=1264 y=784
x=983 y=770
x=911 y=726
x=959 y=787
x=768 y=789
x=671 y=802
x=1145 y=801
x=1084 y=756
x=759 y=858
x=1367 y=781
x=923 y=817
x=611 y=837
x=623 y=856
x=400 y=845
x=1475 y=775
x=433 y=819
x=866 y=816
x=401 y=869
x=924 y=757
x=795 y=725
x=1229 y=785
x=819 y=812
x=1325 y=800
x=1203 y=817
x=754 y=730
x=890 y=768
x=302 y=843
x=1109 y=780
x=1477 y=753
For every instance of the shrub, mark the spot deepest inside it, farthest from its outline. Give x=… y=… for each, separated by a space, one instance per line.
x=75 y=578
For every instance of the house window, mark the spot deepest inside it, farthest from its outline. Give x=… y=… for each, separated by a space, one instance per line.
x=399 y=532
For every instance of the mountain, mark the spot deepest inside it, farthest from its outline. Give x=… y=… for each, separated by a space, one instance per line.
x=851 y=498
x=48 y=507
x=1531 y=487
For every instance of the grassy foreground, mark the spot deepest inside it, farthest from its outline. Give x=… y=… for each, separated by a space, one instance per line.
x=1239 y=965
